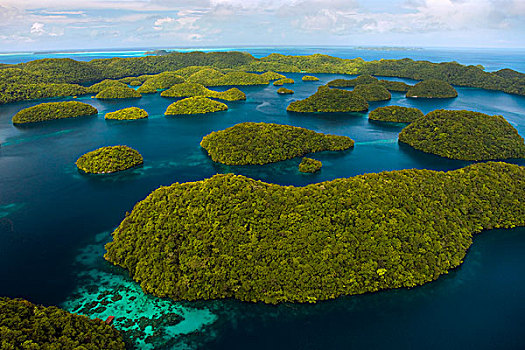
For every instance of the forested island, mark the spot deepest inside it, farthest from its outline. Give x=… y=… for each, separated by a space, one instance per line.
x=233 y=237
x=395 y=114
x=330 y=100
x=131 y=113
x=344 y=83
x=309 y=165
x=53 y=110
x=196 y=89
x=284 y=91
x=373 y=92
x=118 y=92
x=195 y=105
x=61 y=77
x=432 y=88
x=398 y=86
x=283 y=81
x=160 y=82
x=262 y=143
x=24 y=325
x=464 y=135
x=111 y=159
x=272 y=76
x=309 y=78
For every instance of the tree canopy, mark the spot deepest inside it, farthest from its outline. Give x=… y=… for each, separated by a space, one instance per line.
x=196 y=89
x=195 y=105
x=117 y=92
x=53 y=110
x=373 y=92
x=111 y=159
x=330 y=100
x=396 y=114
x=309 y=165
x=130 y=113
x=432 y=88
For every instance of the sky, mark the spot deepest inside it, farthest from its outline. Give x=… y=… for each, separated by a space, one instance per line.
x=96 y=24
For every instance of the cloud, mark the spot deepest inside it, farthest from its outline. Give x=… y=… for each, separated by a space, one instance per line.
x=161 y=21
x=37 y=28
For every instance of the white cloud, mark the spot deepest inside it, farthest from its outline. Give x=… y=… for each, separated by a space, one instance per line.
x=161 y=21
x=37 y=28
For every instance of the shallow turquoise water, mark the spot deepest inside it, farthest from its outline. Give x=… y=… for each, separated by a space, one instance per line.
x=54 y=222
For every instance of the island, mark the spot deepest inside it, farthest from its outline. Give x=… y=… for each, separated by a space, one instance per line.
x=160 y=81
x=432 y=88
x=118 y=92
x=284 y=91
x=105 y=84
x=373 y=92
x=135 y=83
x=230 y=236
x=262 y=143
x=110 y=159
x=331 y=101
x=272 y=76
x=310 y=78
x=24 y=325
x=53 y=110
x=362 y=79
x=213 y=77
x=395 y=114
x=464 y=135
x=309 y=165
x=196 y=89
x=397 y=86
x=195 y=105
x=131 y=113
x=283 y=81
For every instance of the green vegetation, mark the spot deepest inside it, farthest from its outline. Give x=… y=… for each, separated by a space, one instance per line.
x=395 y=85
x=373 y=92
x=233 y=237
x=21 y=92
x=53 y=110
x=309 y=165
x=464 y=135
x=195 y=105
x=432 y=88
x=135 y=83
x=115 y=92
x=284 y=91
x=109 y=159
x=330 y=100
x=283 y=81
x=160 y=82
x=362 y=79
x=213 y=77
x=130 y=113
x=395 y=114
x=195 y=89
x=272 y=76
x=310 y=78
x=105 y=84
x=262 y=143
x=24 y=325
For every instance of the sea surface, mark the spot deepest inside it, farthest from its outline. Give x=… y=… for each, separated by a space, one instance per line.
x=54 y=223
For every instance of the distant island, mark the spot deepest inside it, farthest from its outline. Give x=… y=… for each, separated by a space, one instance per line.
x=262 y=143
x=464 y=135
x=195 y=105
x=362 y=79
x=107 y=160
x=330 y=100
x=53 y=110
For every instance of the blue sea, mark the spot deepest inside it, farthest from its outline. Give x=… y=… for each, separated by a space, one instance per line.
x=54 y=221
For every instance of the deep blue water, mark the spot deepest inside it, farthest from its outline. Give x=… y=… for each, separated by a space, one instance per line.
x=54 y=222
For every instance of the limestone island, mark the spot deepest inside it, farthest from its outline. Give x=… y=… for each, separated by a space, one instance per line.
x=432 y=88
x=373 y=92
x=272 y=76
x=105 y=84
x=397 y=86
x=214 y=77
x=107 y=160
x=395 y=114
x=118 y=92
x=262 y=143
x=362 y=79
x=160 y=81
x=24 y=325
x=283 y=81
x=464 y=135
x=53 y=110
x=131 y=113
x=310 y=78
x=330 y=100
x=230 y=236
x=195 y=105
x=196 y=89
x=284 y=91
x=309 y=165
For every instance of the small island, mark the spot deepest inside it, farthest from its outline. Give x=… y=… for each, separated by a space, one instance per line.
x=432 y=88
x=330 y=101
x=310 y=78
x=395 y=114
x=272 y=76
x=309 y=165
x=131 y=113
x=362 y=79
x=464 y=135
x=195 y=105
x=52 y=111
x=105 y=84
x=284 y=91
x=283 y=81
x=160 y=81
x=262 y=143
x=373 y=92
x=196 y=89
x=107 y=160
x=118 y=92
x=397 y=86
x=24 y=325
